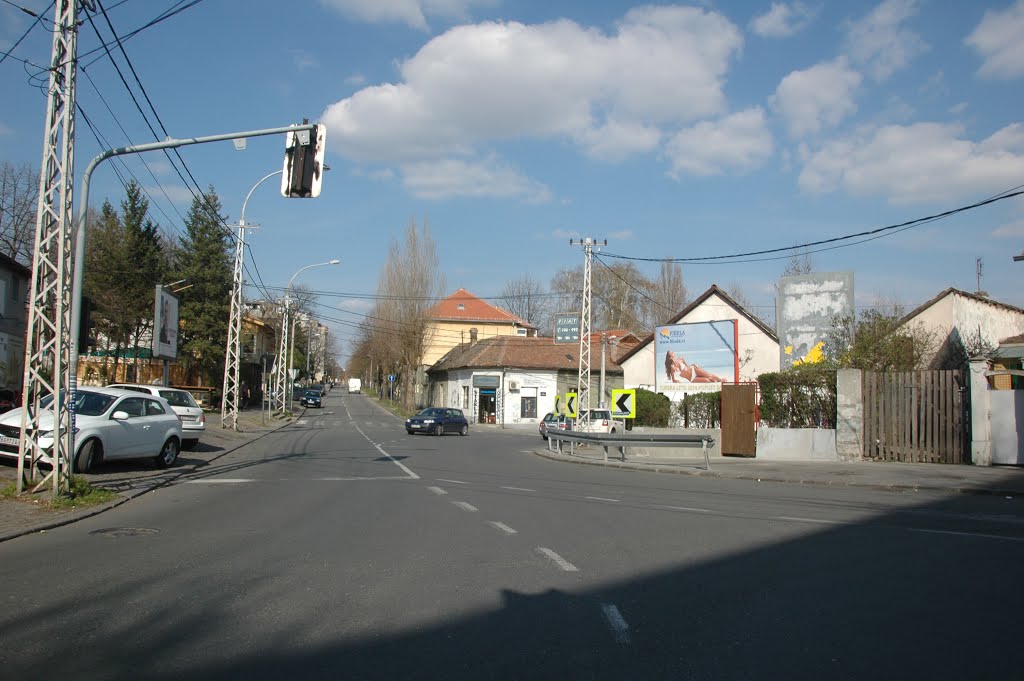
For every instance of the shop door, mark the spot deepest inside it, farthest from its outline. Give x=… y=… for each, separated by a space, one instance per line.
x=488 y=405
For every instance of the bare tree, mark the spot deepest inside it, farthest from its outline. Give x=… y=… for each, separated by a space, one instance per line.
x=669 y=294
x=800 y=263
x=526 y=298
x=19 y=194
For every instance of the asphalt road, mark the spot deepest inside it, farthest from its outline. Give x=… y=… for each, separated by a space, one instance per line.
x=342 y=548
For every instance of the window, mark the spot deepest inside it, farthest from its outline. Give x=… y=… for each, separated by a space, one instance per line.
x=460 y=306
x=154 y=408
x=528 y=407
x=133 y=406
x=520 y=332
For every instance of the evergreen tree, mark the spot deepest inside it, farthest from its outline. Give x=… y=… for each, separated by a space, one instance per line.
x=205 y=261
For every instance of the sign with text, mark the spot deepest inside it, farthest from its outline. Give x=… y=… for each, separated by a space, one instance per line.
x=695 y=358
x=165 y=325
x=623 y=403
x=567 y=328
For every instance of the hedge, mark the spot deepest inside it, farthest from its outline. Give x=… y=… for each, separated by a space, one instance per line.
x=801 y=397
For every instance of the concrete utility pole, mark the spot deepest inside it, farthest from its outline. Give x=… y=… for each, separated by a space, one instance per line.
x=50 y=337
x=583 y=382
x=283 y=358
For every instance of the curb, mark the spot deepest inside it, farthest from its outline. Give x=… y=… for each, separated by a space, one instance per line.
x=75 y=516
x=696 y=472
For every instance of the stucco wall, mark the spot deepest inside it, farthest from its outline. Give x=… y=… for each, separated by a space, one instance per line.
x=443 y=336
x=959 y=319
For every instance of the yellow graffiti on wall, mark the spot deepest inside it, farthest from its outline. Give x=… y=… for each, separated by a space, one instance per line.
x=816 y=354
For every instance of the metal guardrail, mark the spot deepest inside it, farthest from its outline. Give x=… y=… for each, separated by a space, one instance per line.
x=623 y=440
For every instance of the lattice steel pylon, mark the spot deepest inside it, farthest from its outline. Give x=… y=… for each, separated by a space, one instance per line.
x=48 y=341
x=281 y=363
x=583 y=381
x=232 y=363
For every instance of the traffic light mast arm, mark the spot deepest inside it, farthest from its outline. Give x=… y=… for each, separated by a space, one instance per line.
x=83 y=209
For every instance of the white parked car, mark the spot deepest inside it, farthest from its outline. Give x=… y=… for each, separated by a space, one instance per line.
x=193 y=420
x=600 y=421
x=110 y=424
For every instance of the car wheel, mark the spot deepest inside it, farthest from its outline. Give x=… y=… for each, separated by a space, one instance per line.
x=439 y=429
x=88 y=456
x=464 y=430
x=408 y=432
x=168 y=454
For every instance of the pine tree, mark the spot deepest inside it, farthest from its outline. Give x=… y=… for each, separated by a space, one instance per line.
x=204 y=260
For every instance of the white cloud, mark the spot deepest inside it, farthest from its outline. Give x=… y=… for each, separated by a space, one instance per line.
x=817 y=97
x=1011 y=230
x=302 y=59
x=503 y=81
x=355 y=80
x=489 y=177
x=958 y=108
x=563 y=234
x=621 y=235
x=916 y=163
x=881 y=43
x=177 y=193
x=782 y=20
x=413 y=13
x=998 y=40
x=739 y=142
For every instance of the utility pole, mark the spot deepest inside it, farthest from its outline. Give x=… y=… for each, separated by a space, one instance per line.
x=50 y=340
x=583 y=381
x=280 y=366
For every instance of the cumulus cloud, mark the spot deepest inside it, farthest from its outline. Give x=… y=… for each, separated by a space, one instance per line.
x=489 y=177
x=782 y=20
x=302 y=59
x=739 y=142
x=413 y=13
x=613 y=94
x=881 y=42
x=998 y=40
x=817 y=97
x=1011 y=230
x=916 y=163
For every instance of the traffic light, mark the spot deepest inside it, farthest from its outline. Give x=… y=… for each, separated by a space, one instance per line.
x=86 y=324
x=304 y=163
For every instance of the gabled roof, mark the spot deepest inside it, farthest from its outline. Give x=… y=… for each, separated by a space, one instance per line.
x=463 y=306
x=619 y=335
x=952 y=291
x=518 y=352
x=714 y=290
x=9 y=263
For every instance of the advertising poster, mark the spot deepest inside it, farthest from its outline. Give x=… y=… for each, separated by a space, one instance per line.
x=694 y=358
x=165 y=325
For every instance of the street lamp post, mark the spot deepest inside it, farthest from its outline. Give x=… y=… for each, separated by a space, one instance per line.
x=288 y=348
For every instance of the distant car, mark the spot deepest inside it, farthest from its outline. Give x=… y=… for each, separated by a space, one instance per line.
x=8 y=400
x=553 y=421
x=438 y=421
x=311 y=398
x=110 y=424
x=599 y=421
x=193 y=420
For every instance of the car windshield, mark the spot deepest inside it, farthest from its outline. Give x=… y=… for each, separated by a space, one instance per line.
x=433 y=412
x=312 y=393
x=179 y=398
x=92 y=404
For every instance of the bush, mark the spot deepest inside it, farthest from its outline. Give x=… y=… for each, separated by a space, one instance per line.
x=701 y=410
x=652 y=409
x=803 y=396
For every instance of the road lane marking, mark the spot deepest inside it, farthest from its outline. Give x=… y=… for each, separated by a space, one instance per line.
x=466 y=507
x=388 y=456
x=565 y=565
x=520 y=489
x=219 y=481
x=454 y=482
x=684 y=508
x=619 y=627
x=817 y=521
x=602 y=499
x=965 y=534
x=437 y=490
x=502 y=526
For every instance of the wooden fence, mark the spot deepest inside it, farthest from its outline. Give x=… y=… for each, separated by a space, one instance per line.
x=915 y=416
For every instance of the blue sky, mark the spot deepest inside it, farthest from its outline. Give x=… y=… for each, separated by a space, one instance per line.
x=674 y=130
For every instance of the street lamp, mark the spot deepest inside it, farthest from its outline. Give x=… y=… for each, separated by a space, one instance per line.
x=285 y=379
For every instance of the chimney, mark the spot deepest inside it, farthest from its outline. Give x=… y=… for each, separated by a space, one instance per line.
x=472 y=336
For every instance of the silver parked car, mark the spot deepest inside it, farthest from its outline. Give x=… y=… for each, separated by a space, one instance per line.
x=193 y=419
x=110 y=424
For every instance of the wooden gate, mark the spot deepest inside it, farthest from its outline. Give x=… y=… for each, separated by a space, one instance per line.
x=915 y=416
x=739 y=424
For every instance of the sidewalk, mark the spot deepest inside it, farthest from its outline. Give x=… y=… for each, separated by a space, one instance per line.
x=886 y=475
x=131 y=478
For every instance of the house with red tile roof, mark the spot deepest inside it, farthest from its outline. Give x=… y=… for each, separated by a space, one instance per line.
x=514 y=379
x=464 y=318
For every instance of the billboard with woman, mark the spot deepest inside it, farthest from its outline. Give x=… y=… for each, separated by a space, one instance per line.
x=695 y=357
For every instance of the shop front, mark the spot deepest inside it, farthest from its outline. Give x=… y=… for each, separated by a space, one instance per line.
x=487 y=398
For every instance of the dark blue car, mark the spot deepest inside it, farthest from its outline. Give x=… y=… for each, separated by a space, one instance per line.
x=311 y=398
x=438 y=421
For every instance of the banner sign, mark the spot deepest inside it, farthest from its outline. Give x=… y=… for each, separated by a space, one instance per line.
x=696 y=357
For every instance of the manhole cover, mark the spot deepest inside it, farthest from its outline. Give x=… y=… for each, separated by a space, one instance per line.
x=126 y=531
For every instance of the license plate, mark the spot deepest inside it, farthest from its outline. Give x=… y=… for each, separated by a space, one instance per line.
x=9 y=441
x=414 y=425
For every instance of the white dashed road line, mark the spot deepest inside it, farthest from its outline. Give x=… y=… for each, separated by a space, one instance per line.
x=454 y=482
x=684 y=508
x=437 y=490
x=466 y=507
x=502 y=526
x=619 y=627
x=816 y=521
x=602 y=499
x=219 y=481
x=520 y=489
x=558 y=560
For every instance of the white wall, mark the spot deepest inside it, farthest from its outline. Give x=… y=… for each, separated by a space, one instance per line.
x=544 y=381
x=969 y=316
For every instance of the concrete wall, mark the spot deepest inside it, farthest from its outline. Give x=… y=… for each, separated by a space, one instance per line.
x=804 y=311
x=849 y=415
x=796 y=444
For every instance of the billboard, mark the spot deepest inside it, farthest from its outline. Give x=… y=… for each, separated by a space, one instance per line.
x=567 y=328
x=696 y=357
x=805 y=309
x=165 y=325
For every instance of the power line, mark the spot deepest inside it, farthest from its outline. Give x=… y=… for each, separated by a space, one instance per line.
x=38 y=21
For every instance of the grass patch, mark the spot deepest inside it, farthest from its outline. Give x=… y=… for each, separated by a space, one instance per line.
x=81 y=495
x=8 y=491
x=394 y=407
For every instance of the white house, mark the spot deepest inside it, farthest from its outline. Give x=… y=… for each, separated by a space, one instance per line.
x=757 y=346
